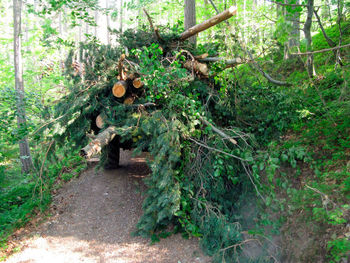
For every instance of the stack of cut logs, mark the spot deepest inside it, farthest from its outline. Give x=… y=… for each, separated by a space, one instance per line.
x=126 y=91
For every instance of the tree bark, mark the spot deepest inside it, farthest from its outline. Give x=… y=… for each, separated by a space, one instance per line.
x=24 y=150
x=96 y=21
x=234 y=61
x=208 y=23
x=101 y=140
x=330 y=42
x=190 y=17
x=197 y=67
x=294 y=36
x=121 y=16
x=307 y=31
x=108 y=25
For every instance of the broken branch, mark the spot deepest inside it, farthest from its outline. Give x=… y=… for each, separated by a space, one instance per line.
x=208 y=23
x=321 y=50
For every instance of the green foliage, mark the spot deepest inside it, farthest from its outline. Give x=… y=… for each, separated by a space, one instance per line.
x=194 y=200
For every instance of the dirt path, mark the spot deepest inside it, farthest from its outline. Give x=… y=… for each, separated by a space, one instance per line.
x=94 y=216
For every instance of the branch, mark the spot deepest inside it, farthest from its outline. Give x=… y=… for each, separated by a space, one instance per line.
x=267 y=76
x=155 y=29
x=256 y=65
x=233 y=61
x=330 y=42
x=284 y=4
x=220 y=132
x=208 y=23
x=216 y=150
x=320 y=51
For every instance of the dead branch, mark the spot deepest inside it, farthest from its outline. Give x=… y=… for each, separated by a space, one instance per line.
x=155 y=29
x=233 y=61
x=218 y=131
x=216 y=150
x=321 y=50
x=256 y=65
x=267 y=76
x=208 y=23
x=285 y=4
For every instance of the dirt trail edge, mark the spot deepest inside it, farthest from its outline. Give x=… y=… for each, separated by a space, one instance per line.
x=94 y=217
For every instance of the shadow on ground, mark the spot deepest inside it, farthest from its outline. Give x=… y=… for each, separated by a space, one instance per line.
x=94 y=216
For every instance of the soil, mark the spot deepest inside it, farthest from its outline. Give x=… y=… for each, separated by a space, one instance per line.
x=93 y=218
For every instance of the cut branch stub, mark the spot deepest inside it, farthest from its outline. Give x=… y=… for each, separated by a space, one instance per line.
x=119 y=89
x=99 y=121
x=209 y=23
x=137 y=83
x=197 y=67
x=101 y=140
x=129 y=100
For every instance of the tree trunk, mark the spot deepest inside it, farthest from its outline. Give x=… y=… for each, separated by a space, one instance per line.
x=190 y=17
x=96 y=21
x=108 y=25
x=101 y=140
x=294 y=36
x=24 y=150
x=121 y=16
x=307 y=31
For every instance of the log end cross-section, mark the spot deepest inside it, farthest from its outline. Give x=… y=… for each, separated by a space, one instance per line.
x=99 y=121
x=119 y=89
x=137 y=83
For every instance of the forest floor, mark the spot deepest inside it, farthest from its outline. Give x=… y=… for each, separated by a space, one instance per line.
x=92 y=219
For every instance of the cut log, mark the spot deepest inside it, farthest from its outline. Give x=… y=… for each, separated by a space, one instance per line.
x=137 y=83
x=197 y=67
x=99 y=121
x=119 y=89
x=101 y=140
x=209 y=23
x=129 y=100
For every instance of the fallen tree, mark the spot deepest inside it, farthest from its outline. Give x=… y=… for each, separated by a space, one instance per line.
x=163 y=99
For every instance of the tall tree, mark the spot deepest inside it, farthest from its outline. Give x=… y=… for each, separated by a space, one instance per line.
x=190 y=17
x=121 y=16
x=24 y=150
x=108 y=24
x=292 y=15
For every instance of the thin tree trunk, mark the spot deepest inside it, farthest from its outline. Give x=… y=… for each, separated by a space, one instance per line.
x=108 y=25
x=24 y=150
x=244 y=21
x=339 y=20
x=294 y=36
x=330 y=42
x=307 y=31
x=60 y=23
x=121 y=16
x=96 y=22
x=190 y=17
